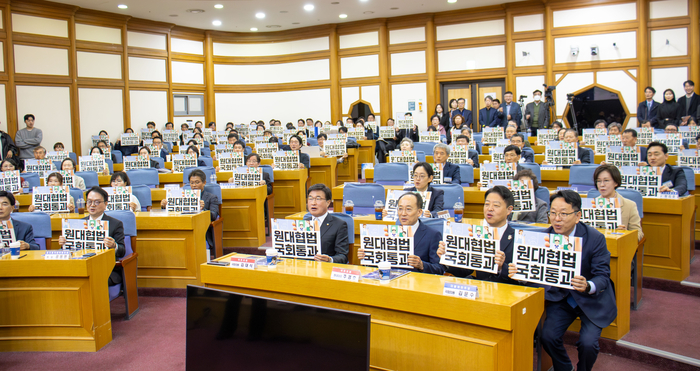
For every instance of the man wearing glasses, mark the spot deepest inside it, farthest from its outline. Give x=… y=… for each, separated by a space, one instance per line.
x=511 y=155
x=96 y=204
x=593 y=297
x=334 y=231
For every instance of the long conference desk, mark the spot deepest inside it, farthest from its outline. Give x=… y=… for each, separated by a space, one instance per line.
x=55 y=305
x=413 y=325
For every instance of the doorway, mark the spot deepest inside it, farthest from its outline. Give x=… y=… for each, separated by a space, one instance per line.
x=473 y=93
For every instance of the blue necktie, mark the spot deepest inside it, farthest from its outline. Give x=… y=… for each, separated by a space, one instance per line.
x=571 y=301
x=648 y=109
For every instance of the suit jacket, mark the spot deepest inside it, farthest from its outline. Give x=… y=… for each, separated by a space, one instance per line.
x=669 y=113
x=474 y=156
x=467 y=114
x=492 y=120
x=334 y=238
x=677 y=177
x=8 y=145
x=689 y=105
x=630 y=216
x=304 y=159
x=437 y=200
x=516 y=114
x=25 y=232
x=584 y=155
x=542 y=119
x=540 y=215
x=452 y=171
x=164 y=153
x=528 y=156
x=445 y=121
x=211 y=203
x=426 y=241
x=600 y=306
x=643 y=112
x=643 y=151
x=502 y=275
x=407 y=133
x=268 y=182
x=116 y=231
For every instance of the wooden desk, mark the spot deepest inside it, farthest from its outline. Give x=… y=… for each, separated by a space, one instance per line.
x=669 y=228
x=348 y=170
x=290 y=192
x=55 y=305
x=324 y=170
x=365 y=152
x=414 y=326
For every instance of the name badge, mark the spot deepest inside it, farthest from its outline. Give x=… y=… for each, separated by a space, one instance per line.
x=460 y=291
x=669 y=194
x=447 y=179
x=548 y=167
x=344 y=274
x=444 y=214
x=243 y=263
x=668 y=184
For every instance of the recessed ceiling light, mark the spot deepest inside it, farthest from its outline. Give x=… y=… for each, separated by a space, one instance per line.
x=254 y=29
x=364 y=1
x=451 y=1
x=219 y=6
x=309 y=7
x=195 y=11
x=343 y=16
x=260 y=15
x=216 y=23
x=122 y=6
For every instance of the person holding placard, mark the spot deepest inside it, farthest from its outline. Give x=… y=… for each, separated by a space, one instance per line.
x=126 y=150
x=593 y=297
x=450 y=171
x=498 y=206
x=194 y=151
x=541 y=208
x=334 y=231
x=295 y=144
x=426 y=239
x=629 y=139
x=511 y=155
x=672 y=178
x=582 y=155
x=120 y=179
x=321 y=140
x=422 y=177
x=69 y=165
x=435 y=122
x=145 y=151
x=162 y=152
x=39 y=153
x=96 y=204
x=56 y=180
x=98 y=151
x=607 y=179
x=24 y=233
x=473 y=160
x=518 y=140
x=9 y=164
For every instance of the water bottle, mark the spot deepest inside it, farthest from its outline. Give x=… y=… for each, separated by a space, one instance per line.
x=25 y=187
x=81 y=205
x=459 y=211
x=212 y=178
x=349 y=207
x=378 y=209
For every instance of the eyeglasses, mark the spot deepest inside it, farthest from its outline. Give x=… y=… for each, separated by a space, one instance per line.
x=317 y=199
x=420 y=176
x=603 y=181
x=94 y=202
x=562 y=216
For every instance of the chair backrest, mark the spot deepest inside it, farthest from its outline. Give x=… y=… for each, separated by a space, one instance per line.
x=689 y=177
x=148 y=177
x=73 y=156
x=208 y=171
x=268 y=169
x=535 y=169
x=77 y=194
x=350 y=223
x=143 y=194
x=543 y=194
x=90 y=177
x=453 y=193
x=32 y=178
x=630 y=194
x=581 y=176
x=159 y=160
x=57 y=164
x=118 y=156
x=466 y=173
x=214 y=189
x=41 y=225
x=420 y=156
x=312 y=141
x=391 y=173
x=424 y=147
x=363 y=196
x=206 y=151
x=437 y=224
x=128 y=219
x=527 y=227
x=110 y=165
x=591 y=153
x=207 y=160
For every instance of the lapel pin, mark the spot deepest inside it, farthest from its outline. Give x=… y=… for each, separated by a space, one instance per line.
x=510 y=237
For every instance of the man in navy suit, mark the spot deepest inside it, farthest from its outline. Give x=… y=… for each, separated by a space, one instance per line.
x=498 y=205
x=629 y=139
x=425 y=239
x=673 y=178
x=463 y=140
x=689 y=102
x=24 y=233
x=422 y=178
x=450 y=171
x=467 y=114
x=488 y=115
x=518 y=140
x=334 y=231
x=649 y=109
x=511 y=110
x=593 y=297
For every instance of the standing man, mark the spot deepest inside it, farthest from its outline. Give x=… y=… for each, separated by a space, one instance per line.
x=649 y=109
x=487 y=115
x=467 y=114
x=537 y=113
x=28 y=138
x=511 y=110
x=334 y=231
x=689 y=103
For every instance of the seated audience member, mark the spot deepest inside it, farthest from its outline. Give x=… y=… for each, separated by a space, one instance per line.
x=557 y=125
x=583 y=155
x=232 y=138
x=614 y=129
x=321 y=140
x=39 y=153
x=126 y=150
x=145 y=151
x=519 y=141
x=10 y=164
x=629 y=139
x=58 y=147
x=407 y=133
x=104 y=132
x=98 y=151
x=184 y=128
x=607 y=179
x=351 y=142
x=295 y=144
x=24 y=233
x=120 y=179
x=334 y=231
x=69 y=165
x=645 y=124
x=498 y=206
x=463 y=140
x=253 y=160
x=469 y=133
x=422 y=177
x=541 y=209
x=406 y=144
x=96 y=204
x=600 y=124
x=207 y=201
x=593 y=297
x=511 y=155
x=450 y=171
x=510 y=131
x=162 y=151
x=435 y=123
x=194 y=150
x=55 y=180
x=673 y=178
x=560 y=135
x=425 y=239
x=361 y=124
x=385 y=145
x=673 y=129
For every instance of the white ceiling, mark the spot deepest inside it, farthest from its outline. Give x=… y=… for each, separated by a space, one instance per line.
x=239 y=15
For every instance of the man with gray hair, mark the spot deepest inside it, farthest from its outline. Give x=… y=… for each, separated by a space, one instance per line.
x=450 y=171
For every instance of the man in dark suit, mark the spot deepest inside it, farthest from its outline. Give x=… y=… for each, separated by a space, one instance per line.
x=461 y=110
x=450 y=171
x=583 y=155
x=518 y=140
x=537 y=113
x=96 y=200
x=649 y=109
x=541 y=213
x=498 y=206
x=593 y=297
x=673 y=178
x=384 y=146
x=425 y=239
x=334 y=231
x=629 y=139
x=511 y=155
x=463 y=140
x=24 y=233
x=511 y=110
x=488 y=115
x=422 y=178
x=689 y=102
